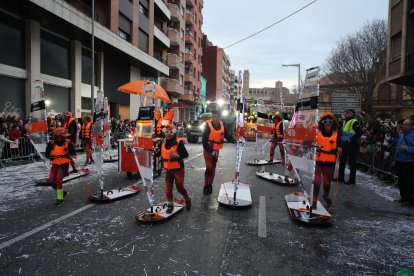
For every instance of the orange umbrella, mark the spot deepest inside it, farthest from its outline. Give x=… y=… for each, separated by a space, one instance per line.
x=137 y=87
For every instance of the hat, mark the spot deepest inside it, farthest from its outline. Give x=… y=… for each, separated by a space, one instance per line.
x=169 y=115
x=60 y=131
x=328 y=114
x=68 y=114
x=351 y=111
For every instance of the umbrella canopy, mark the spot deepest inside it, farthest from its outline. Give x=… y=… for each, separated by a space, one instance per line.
x=137 y=87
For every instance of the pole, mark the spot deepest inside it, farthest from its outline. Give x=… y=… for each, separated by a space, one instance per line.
x=298 y=78
x=93 y=59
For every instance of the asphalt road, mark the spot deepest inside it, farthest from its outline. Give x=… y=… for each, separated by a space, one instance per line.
x=371 y=235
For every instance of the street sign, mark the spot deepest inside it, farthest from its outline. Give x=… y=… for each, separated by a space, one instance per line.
x=344 y=100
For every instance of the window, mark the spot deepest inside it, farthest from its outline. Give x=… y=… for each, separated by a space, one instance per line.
x=87 y=67
x=143 y=7
x=396 y=46
x=11 y=41
x=12 y=97
x=143 y=41
x=54 y=55
x=124 y=30
x=58 y=98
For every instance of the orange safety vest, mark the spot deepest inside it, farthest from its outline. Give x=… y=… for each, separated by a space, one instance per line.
x=86 y=130
x=166 y=156
x=58 y=154
x=67 y=123
x=216 y=137
x=327 y=149
x=277 y=128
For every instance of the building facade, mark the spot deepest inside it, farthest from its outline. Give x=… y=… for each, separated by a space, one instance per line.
x=216 y=69
x=51 y=40
x=400 y=44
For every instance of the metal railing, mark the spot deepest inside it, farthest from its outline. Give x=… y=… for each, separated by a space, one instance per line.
x=378 y=161
x=22 y=148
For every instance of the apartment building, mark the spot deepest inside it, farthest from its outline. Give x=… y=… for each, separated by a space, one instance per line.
x=216 y=69
x=51 y=40
x=400 y=48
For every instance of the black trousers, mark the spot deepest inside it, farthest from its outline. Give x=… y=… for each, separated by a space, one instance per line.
x=349 y=152
x=405 y=173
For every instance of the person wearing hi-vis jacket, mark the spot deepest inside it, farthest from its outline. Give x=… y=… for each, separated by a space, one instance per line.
x=213 y=139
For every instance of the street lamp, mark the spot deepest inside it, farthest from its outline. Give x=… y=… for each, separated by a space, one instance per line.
x=295 y=65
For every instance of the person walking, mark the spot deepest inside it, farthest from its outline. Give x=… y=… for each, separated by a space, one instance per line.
x=326 y=154
x=61 y=152
x=85 y=136
x=277 y=138
x=349 y=135
x=71 y=127
x=404 y=162
x=173 y=152
x=213 y=139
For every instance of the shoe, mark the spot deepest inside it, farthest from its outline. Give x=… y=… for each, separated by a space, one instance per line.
x=170 y=209
x=188 y=204
x=92 y=161
x=205 y=190
x=269 y=161
x=58 y=202
x=328 y=201
x=349 y=183
x=74 y=171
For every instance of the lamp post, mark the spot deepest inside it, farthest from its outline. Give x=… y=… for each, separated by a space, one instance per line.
x=295 y=65
x=93 y=58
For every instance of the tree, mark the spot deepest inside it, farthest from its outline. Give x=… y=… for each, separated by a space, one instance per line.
x=359 y=60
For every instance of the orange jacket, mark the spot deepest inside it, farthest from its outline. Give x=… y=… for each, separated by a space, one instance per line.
x=166 y=156
x=276 y=129
x=327 y=148
x=68 y=122
x=60 y=154
x=216 y=137
x=86 y=130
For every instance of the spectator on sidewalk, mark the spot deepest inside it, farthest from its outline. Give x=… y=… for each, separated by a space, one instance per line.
x=404 y=162
x=3 y=141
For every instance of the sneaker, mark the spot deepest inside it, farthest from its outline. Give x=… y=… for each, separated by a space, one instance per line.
x=92 y=161
x=188 y=204
x=170 y=209
x=74 y=171
x=269 y=161
x=58 y=202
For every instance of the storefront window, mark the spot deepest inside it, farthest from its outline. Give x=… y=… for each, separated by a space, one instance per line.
x=57 y=98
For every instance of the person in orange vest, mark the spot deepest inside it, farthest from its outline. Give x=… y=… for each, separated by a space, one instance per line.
x=277 y=138
x=213 y=139
x=72 y=129
x=85 y=136
x=172 y=153
x=60 y=151
x=326 y=154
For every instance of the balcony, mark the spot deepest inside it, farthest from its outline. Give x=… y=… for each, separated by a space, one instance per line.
x=175 y=12
x=174 y=37
x=175 y=61
x=159 y=34
x=189 y=78
x=161 y=4
x=189 y=18
x=189 y=38
x=187 y=97
x=172 y=86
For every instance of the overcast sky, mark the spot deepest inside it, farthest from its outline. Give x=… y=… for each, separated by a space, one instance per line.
x=306 y=38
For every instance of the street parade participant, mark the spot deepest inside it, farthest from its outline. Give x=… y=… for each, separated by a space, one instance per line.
x=349 y=135
x=157 y=119
x=213 y=139
x=71 y=127
x=277 y=138
x=404 y=159
x=61 y=152
x=326 y=154
x=85 y=136
x=172 y=153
